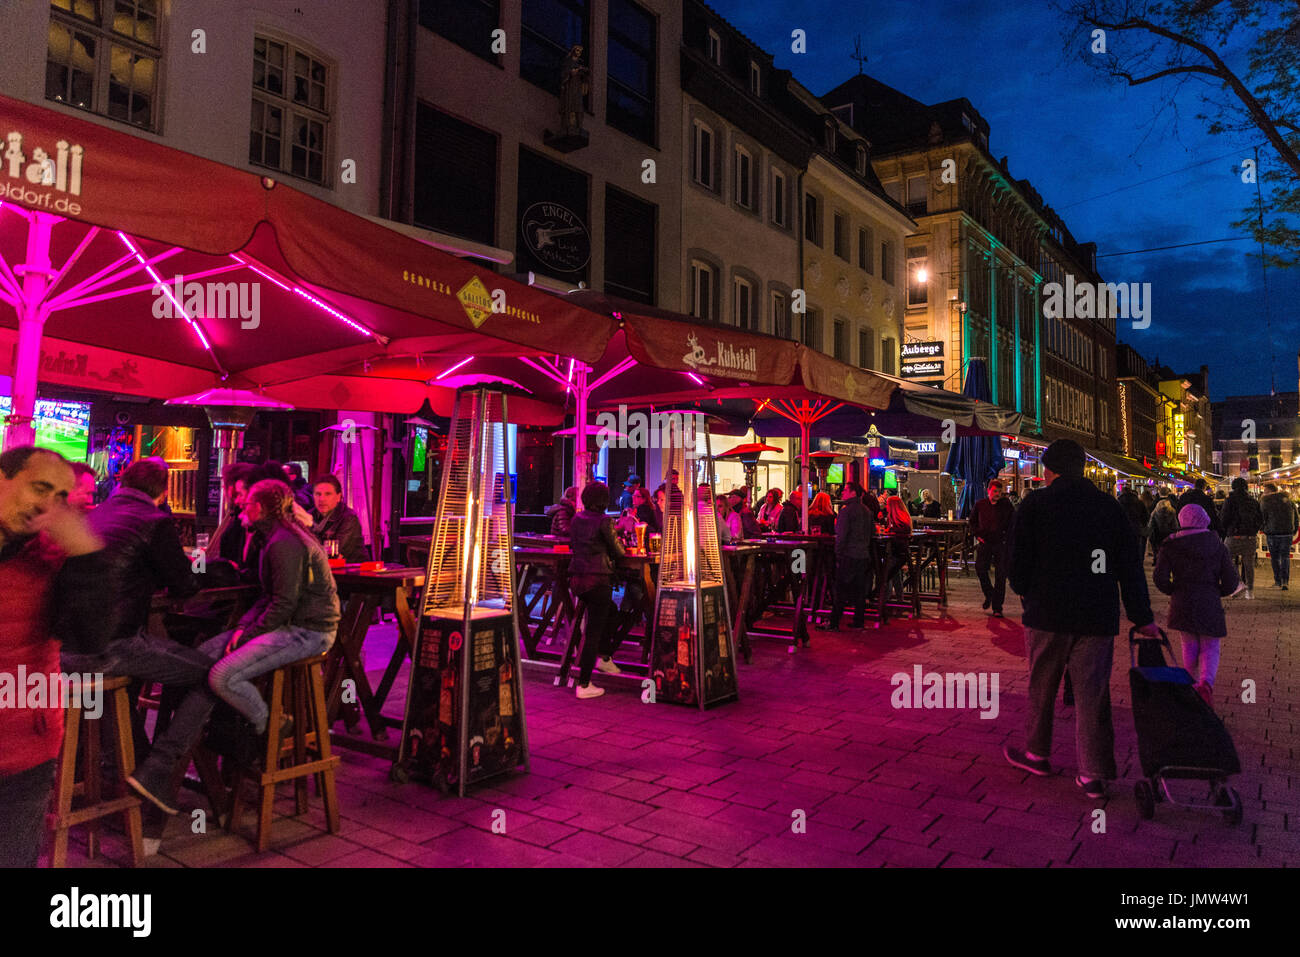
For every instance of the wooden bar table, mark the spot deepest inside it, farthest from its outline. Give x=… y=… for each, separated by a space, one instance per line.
x=362 y=593
x=746 y=555
x=955 y=529
x=809 y=586
x=642 y=566
x=548 y=568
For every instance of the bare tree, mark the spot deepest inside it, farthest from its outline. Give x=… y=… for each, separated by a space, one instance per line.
x=1242 y=59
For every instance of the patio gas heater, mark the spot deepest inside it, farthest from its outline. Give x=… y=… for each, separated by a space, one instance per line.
x=693 y=654
x=464 y=707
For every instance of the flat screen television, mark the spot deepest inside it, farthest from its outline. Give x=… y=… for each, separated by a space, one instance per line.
x=835 y=474
x=891 y=480
x=62 y=427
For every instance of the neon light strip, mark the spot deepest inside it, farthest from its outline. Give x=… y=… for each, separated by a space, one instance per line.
x=94 y=282
x=167 y=291
x=326 y=307
x=694 y=378
x=450 y=369
x=265 y=275
x=65 y=303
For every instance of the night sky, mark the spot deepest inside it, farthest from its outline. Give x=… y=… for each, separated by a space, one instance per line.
x=1089 y=147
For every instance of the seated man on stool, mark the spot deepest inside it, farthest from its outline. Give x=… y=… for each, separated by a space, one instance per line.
x=142 y=545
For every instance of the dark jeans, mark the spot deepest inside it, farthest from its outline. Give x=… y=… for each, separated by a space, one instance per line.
x=994 y=553
x=599 y=630
x=851 y=588
x=23 y=799
x=1244 y=547
x=1279 y=553
x=1089 y=658
x=159 y=659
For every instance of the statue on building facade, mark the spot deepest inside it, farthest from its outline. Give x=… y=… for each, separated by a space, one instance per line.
x=575 y=82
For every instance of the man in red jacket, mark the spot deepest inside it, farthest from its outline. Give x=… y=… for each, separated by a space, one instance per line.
x=54 y=585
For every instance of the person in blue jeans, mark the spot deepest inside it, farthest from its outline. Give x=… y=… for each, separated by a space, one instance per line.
x=296 y=617
x=1280 y=522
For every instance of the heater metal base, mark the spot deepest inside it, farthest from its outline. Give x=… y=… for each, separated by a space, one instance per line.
x=464 y=708
x=692 y=661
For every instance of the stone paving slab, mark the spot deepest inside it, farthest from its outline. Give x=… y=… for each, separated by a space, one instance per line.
x=813 y=767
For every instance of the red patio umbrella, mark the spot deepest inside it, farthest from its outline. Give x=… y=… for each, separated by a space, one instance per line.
x=276 y=291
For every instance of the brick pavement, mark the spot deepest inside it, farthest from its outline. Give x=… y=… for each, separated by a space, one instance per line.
x=814 y=740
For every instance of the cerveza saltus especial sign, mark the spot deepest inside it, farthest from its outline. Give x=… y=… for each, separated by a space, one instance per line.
x=921 y=359
x=556 y=236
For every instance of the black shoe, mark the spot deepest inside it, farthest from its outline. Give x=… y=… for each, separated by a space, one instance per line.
x=150 y=794
x=997 y=612
x=1021 y=760
x=1096 y=788
x=987 y=602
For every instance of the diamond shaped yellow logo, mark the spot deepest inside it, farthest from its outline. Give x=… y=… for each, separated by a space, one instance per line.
x=476 y=301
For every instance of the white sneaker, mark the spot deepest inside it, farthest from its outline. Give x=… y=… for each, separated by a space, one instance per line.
x=589 y=691
x=1237 y=593
x=151 y=846
x=1249 y=593
x=606 y=666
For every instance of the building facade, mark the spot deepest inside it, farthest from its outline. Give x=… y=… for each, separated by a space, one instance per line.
x=1139 y=405
x=1187 y=424
x=543 y=135
x=1256 y=433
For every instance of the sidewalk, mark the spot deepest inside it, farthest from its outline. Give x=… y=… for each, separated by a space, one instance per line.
x=814 y=739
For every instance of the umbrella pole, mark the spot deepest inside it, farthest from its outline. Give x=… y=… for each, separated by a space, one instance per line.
x=804 y=431
x=581 y=456
x=31 y=326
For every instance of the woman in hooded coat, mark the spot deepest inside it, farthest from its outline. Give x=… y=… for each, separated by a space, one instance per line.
x=1194 y=568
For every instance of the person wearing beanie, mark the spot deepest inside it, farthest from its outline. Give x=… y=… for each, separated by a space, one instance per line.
x=1074 y=555
x=1241 y=522
x=1196 y=571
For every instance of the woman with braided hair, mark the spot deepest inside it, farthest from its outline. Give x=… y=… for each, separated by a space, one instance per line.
x=297 y=615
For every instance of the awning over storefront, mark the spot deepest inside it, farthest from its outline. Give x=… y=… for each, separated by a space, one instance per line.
x=139 y=269
x=1121 y=464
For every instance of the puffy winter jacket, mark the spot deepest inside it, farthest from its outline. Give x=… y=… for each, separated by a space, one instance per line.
x=595 y=548
x=1279 y=514
x=141 y=542
x=561 y=513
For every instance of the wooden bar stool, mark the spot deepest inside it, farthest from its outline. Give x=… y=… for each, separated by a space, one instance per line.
x=113 y=691
x=296 y=690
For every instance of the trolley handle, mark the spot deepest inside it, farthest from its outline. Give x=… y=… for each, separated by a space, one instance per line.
x=1135 y=645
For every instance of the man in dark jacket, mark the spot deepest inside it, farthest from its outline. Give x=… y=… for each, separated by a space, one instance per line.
x=853 y=538
x=141 y=542
x=595 y=549
x=1198 y=496
x=990 y=523
x=1135 y=510
x=1280 y=522
x=334 y=521
x=1073 y=554
x=1240 y=524
x=54 y=588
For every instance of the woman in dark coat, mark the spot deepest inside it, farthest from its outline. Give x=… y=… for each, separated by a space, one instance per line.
x=1194 y=568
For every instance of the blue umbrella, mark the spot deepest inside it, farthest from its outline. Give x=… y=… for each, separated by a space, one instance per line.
x=975 y=458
